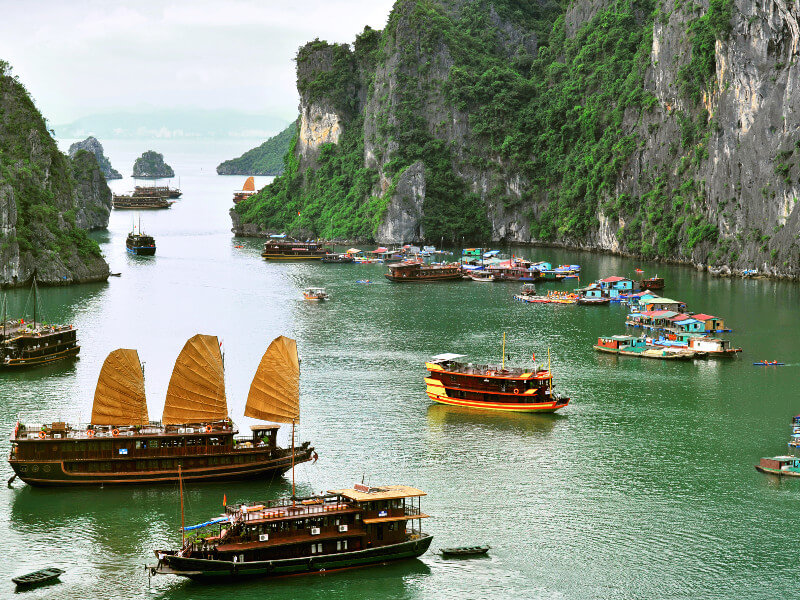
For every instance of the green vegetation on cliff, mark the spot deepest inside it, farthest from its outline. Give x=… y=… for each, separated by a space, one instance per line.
x=40 y=182
x=266 y=159
x=151 y=164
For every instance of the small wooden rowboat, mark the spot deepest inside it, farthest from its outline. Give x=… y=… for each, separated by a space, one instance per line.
x=464 y=551
x=38 y=577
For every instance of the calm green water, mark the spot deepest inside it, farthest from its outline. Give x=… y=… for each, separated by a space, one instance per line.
x=643 y=487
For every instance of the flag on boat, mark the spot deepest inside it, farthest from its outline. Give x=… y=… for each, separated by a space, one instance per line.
x=224 y=500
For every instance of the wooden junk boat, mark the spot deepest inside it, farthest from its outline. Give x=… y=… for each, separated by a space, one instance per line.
x=141 y=202
x=341 y=529
x=34 y=344
x=140 y=244
x=121 y=446
x=279 y=247
x=248 y=189
x=491 y=387
x=652 y=283
x=416 y=271
x=159 y=191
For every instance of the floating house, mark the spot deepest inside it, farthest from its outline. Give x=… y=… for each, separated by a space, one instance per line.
x=658 y=304
x=614 y=287
x=711 y=323
x=683 y=323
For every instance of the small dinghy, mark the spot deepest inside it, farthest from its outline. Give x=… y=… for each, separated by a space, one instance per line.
x=38 y=577
x=465 y=551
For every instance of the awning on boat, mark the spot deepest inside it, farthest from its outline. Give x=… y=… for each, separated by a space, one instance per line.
x=196 y=392
x=353 y=251
x=207 y=523
x=119 y=398
x=275 y=392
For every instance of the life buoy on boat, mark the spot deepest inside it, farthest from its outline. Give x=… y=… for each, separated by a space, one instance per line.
x=115 y=432
x=42 y=435
x=208 y=428
x=516 y=390
x=90 y=433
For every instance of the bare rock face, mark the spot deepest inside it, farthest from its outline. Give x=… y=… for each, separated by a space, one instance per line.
x=47 y=201
x=403 y=217
x=91 y=144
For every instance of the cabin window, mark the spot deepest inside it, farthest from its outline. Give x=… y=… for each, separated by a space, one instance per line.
x=140 y=444
x=391 y=526
x=152 y=444
x=341 y=545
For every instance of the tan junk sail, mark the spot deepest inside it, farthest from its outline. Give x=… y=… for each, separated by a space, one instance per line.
x=275 y=391
x=119 y=398
x=249 y=185
x=196 y=392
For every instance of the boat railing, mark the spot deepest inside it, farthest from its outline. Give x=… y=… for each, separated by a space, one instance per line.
x=63 y=430
x=491 y=370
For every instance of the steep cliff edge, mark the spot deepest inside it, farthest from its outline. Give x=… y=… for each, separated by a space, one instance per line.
x=92 y=144
x=668 y=130
x=46 y=201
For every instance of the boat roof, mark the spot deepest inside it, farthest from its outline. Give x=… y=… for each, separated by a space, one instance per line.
x=447 y=356
x=704 y=317
x=614 y=279
x=263 y=426
x=659 y=300
x=386 y=492
x=315 y=289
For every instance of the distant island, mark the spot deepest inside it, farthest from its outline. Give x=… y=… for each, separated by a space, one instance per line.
x=151 y=164
x=91 y=144
x=266 y=159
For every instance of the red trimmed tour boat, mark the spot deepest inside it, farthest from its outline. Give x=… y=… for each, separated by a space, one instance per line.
x=416 y=271
x=491 y=387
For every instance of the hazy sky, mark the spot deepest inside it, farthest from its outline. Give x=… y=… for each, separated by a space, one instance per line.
x=79 y=57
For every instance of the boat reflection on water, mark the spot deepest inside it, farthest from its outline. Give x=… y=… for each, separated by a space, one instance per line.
x=443 y=416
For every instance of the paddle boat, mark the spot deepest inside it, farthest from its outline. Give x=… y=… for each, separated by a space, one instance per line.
x=40 y=577
x=769 y=363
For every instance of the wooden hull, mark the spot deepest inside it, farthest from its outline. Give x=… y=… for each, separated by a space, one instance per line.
x=779 y=472
x=644 y=354
x=209 y=570
x=16 y=363
x=54 y=473
x=142 y=251
x=289 y=257
x=519 y=407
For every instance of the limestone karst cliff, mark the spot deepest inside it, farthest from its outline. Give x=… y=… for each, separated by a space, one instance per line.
x=662 y=129
x=47 y=201
x=151 y=164
x=266 y=159
x=91 y=144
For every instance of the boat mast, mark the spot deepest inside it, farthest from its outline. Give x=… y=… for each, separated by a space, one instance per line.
x=180 y=484
x=503 y=364
x=34 y=299
x=292 y=462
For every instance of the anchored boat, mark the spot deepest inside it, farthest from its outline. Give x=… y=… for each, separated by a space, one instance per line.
x=40 y=577
x=248 y=189
x=342 y=529
x=491 y=387
x=280 y=247
x=315 y=293
x=414 y=271
x=122 y=446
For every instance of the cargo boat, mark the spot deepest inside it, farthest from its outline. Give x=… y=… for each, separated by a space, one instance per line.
x=279 y=247
x=342 y=529
x=121 y=445
x=34 y=344
x=418 y=272
x=491 y=387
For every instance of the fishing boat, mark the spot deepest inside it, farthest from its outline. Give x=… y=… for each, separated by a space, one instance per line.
x=34 y=344
x=280 y=247
x=140 y=244
x=417 y=272
x=141 y=202
x=491 y=387
x=627 y=345
x=652 y=283
x=315 y=293
x=41 y=577
x=122 y=446
x=482 y=276
x=337 y=258
x=343 y=528
x=160 y=191
x=248 y=189
x=462 y=551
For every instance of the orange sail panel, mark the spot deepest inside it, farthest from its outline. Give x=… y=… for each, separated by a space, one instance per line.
x=196 y=392
x=249 y=185
x=119 y=398
x=275 y=391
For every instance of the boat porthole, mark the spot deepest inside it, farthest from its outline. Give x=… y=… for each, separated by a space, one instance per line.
x=23 y=469
x=46 y=468
x=35 y=468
